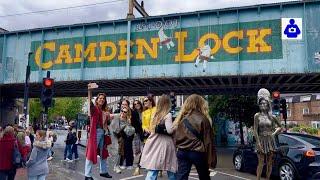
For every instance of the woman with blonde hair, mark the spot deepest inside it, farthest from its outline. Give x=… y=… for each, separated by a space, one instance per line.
x=159 y=152
x=194 y=138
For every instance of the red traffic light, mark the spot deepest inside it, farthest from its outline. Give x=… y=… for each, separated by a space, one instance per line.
x=48 y=82
x=275 y=94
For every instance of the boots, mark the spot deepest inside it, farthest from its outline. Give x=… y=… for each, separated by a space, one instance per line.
x=136 y=172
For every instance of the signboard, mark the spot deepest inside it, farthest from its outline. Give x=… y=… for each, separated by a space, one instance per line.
x=159 y=45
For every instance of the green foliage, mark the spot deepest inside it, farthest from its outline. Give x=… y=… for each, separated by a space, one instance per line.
x=234 y=107
x=308 y=130
x=35 y=109
x=68 y=107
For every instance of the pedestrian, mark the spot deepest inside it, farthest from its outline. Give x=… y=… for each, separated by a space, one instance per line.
x=74 y=148
x=24 y=147
x=124 y=132
x=95 y=145
x=147 y=114
x=138 y=136
x=7 y=143
x=68 y=149
x=194 y=138
x=159 y=152
x=50 y=137
x=37 y=165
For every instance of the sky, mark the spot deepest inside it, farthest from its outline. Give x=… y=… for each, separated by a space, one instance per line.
x=24 y=14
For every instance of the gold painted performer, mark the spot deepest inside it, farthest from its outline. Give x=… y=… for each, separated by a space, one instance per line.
x=264 y=131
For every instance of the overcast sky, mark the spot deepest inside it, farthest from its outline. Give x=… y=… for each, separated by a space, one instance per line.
x=104 y=10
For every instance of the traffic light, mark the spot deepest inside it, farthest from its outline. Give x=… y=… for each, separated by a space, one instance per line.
x=47 y=92
x=283 y=108
x=276 y=102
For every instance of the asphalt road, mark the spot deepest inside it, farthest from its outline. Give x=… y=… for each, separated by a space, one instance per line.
x=61 y=170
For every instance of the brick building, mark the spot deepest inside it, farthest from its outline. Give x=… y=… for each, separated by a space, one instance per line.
x=304 y=109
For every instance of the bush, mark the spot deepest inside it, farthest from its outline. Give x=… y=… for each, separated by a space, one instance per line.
x=308 y=130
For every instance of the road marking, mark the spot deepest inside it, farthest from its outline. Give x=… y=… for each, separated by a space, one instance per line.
x=232 y=175
x=193 y=178
x=132 y=177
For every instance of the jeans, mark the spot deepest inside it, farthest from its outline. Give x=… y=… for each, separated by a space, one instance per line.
x=128 y=151
x=7 y=174
x=153 y=175
x=68 y=151
x=103 y=162
x=39 y=177
x=75 y=151
x=185 y=161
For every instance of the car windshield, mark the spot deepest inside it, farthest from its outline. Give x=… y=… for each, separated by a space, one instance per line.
x=310 y=139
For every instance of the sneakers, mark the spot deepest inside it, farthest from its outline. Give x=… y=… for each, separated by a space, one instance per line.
x=122 y=167
x=88 y=178
x=50 y=158
x=69 y=160
x=117 y=169
x=76 y=159
x=106 y=175
x=130 y=167
x=136 y=172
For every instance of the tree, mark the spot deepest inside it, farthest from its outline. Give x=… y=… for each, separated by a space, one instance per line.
x=68 y=107
x=35 y=109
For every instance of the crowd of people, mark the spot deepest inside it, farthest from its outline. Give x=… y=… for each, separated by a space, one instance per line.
x=146 y=136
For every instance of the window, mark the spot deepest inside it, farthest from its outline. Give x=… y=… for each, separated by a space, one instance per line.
x=287 y=141
x=318 y=97
x=305 y=111
x=289 y=100
x=310 y=139
x=289 y=112
x=305 y=98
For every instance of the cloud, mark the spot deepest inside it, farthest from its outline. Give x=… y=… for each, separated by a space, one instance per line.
x=101 y=12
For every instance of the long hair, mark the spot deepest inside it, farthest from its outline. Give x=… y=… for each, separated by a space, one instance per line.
x=138 y=102
x=151 y=100
x=21 y=138
x=163 y=108
x=7 y=130
x=128 y=112
x=104 y=106
x=193 y=103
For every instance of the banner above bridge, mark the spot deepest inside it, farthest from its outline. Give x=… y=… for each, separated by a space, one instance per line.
x=268 y=39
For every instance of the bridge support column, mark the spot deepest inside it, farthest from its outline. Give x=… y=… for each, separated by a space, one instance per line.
x=8 y=111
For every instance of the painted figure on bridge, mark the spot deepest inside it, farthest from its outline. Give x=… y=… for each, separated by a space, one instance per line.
x=205 y=55
x=164 y=39
x=264 y=132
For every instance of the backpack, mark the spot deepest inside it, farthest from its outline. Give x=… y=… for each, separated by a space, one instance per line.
x=17 y=158
x=74 y=138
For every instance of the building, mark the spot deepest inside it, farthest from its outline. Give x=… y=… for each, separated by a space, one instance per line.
x=304 y=109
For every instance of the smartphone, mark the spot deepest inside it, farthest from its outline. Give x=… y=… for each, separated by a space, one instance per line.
x=93 y=85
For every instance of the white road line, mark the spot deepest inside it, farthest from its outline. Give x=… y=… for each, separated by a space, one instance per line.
x=193 y=178
x=232 y=175
x=132 y=177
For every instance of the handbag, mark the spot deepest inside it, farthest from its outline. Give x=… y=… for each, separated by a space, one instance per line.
x=17 y=158
x=107 y=139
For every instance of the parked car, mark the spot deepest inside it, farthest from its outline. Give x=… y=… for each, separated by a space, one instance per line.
x=297 y=156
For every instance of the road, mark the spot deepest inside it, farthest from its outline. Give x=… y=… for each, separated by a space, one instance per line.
x=61 y=170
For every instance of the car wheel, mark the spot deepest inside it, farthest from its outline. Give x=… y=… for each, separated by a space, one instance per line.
x=237 y=161
x=287 y=172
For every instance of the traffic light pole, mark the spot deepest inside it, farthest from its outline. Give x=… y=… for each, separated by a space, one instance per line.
x=26 y=92
x=45 y=115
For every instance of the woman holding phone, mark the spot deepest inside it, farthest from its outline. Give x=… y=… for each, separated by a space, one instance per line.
x=95 y=145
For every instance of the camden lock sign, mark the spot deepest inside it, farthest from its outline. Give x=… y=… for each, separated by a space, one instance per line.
x=225 y=42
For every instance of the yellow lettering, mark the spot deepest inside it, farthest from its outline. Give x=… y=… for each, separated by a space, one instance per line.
x=104 y=45
x=181 y=36
x=153 y=52
x=226 y=39
x=64 y=54
x=256 y=40
x=49 y=46
x=216 y=39
x=90 y=51
x=123 y=50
